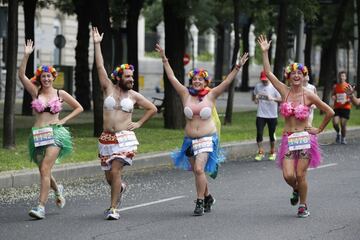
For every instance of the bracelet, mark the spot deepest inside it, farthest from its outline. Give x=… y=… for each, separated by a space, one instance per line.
x=237 y=67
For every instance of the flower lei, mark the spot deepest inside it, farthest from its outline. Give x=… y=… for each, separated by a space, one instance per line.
x=119 y=70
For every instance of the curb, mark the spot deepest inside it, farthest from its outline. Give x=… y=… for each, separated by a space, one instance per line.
x=236 y=151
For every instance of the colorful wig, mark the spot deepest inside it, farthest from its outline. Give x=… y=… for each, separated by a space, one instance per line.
x=294 y=67
x=43 y=68
x=119 y=70
x=201 y=72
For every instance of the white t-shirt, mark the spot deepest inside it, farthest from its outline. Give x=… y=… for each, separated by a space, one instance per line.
x=266 y=108
x=312 y=89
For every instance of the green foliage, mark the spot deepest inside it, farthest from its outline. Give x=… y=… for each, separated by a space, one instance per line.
x=205 y=57
x=153 y=13
x=152 y=54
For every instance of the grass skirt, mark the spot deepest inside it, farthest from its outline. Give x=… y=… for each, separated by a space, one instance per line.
x=181 y=160
x=63 y=140
x=313 y=153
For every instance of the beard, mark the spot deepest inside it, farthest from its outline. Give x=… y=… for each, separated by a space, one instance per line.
x=125 y=86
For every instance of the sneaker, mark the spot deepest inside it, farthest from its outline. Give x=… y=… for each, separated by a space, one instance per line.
x=199 y=207
x=123 y=190
x=208 y=202
x=260 y=156
x=337 y=140
x=272 y=156
x=303 y=212
x=37 y=212
x=59 y=197
x=111 y=214
x=343 y=141
x=294 y=198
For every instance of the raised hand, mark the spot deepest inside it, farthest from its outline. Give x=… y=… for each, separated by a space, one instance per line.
x=160 y=50
x=349 y=90
x=243 y=59
x=29 y=47
x=263 y=42
x=96 y=36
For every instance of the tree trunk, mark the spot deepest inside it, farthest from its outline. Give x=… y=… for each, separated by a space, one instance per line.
x=358 y=53
x=118 y=46
x=219 y=57
x=101 y=19
x=281 y=42
x=230 y=99
x=82 y=71
x=10 y=87
x=133 y=13
x=244 y=87
x=175 y=50
x=329 y=55
x=29 y=17
x=308 y=47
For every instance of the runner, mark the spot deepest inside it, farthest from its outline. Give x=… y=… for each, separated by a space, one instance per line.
x=299 y=147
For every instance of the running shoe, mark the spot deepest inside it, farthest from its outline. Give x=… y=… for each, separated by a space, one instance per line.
x=337 y=140
x=37 y=212
x=59 y=197
x=260 y=156
x=272 y=156
x=208 y=202
x=303 y=212
x=112 y=214
x=199 y=207
x=343 y=141
x=294 y=198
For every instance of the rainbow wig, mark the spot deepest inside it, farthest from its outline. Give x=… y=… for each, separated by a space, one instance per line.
x=201 y=72
x=294 y=67
x=119 y=70
x=43 y=68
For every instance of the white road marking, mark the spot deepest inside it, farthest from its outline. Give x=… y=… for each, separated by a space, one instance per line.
x=151 y=203
x=324 y=166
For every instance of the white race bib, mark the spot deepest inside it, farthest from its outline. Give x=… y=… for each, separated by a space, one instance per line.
x=43 y=136
x=203 y=144
x=127 y=139
x=263 y=97
x=299 y=141
x=341 y=97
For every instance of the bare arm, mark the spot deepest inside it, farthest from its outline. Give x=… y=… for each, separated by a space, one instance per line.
x=179 y=88
x=329 y=113
x=103 y=78
x=217 y=91
x=265 y=45
x=150 y=110
x=28 y=85
x=350 y=91
x=73 y=103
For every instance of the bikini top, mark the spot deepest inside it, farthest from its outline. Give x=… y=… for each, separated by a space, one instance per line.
x=202 y=109
x=300 y=112
x=126 y=104
x=54 y=106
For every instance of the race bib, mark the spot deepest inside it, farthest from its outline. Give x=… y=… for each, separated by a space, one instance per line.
x=126 y=139
x=203 y=144
x=263 y=97
x=299 y=141
x=341 y=97
x=43 y=136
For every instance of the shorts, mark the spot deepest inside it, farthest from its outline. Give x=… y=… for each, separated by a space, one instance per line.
x=342 y=113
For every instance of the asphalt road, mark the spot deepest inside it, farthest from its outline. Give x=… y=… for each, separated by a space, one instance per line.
x=252 y=203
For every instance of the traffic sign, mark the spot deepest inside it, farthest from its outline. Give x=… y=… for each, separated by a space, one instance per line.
x=186 y=59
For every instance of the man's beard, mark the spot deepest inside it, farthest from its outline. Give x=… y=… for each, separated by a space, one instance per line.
x=124 y=86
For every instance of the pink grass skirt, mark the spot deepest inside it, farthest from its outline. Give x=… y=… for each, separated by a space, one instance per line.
x=313 y=153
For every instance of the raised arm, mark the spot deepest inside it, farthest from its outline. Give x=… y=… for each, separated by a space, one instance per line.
x=28 y=85
x=218 y=90
x=350 y=91
x=103 y=78
x=265 y=45
x=179 y=88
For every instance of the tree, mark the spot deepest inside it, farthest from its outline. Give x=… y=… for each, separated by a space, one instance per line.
x=230 y=100
x=10 y=87
x=175 y=21
x=328 y=55
x=358 y=54
x=29 y=16
x=82 y=71
x=100 y=18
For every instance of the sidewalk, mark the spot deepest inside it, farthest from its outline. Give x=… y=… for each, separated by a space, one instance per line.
x=237 y=151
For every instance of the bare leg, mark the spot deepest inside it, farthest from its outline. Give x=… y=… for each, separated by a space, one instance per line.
x=115 y=182
x=199 y=173
x=336 y=121
x=343 y=122
x=301 y=171
x=45 y=167
x=289 y=173
x=272 y=147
